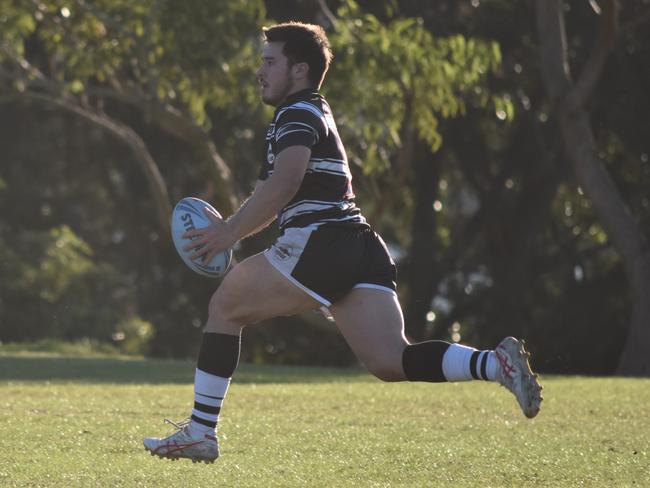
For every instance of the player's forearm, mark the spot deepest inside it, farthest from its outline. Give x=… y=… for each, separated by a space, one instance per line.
x=262 y=207
x=271 y=195
x=259 y=227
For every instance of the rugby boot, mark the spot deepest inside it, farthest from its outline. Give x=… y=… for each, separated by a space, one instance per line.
x=515 y=374
x=184 y=444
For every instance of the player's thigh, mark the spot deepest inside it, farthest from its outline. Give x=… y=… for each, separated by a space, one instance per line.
x=372 y=323
x=254 y=290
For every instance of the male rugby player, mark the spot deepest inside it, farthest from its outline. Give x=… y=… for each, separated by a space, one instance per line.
x=327 y=255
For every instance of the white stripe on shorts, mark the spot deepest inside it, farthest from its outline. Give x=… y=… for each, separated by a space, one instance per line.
x=285 y=253
x=287 y=275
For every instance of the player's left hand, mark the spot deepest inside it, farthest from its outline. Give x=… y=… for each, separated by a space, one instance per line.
x=211 y=240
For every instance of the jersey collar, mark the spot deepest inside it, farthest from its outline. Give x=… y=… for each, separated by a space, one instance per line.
x=299 y=95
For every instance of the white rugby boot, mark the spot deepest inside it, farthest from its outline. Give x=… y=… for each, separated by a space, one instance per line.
x=182 y=444
x=515 y=374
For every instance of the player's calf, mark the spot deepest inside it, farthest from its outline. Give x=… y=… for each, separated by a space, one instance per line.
x=385 y=372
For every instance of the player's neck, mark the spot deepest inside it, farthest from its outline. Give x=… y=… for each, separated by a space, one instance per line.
x=296 y=89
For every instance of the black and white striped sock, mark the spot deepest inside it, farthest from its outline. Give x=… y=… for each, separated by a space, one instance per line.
x=217 y=362
x=209 y=392
x=439 y=361
x=462 y=363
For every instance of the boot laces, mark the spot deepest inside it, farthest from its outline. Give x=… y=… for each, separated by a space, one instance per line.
x=180 y=425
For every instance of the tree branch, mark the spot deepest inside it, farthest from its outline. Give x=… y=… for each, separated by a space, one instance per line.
x=555 y=71
x=331 y=18
x=165 y=116
x=21 y=63
x=174 y=122
x=593 y=69
x=131 y=138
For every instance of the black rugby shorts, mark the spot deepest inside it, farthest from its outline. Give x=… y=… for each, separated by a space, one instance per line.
x=329 y=261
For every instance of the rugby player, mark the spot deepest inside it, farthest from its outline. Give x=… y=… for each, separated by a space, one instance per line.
x=327 y=255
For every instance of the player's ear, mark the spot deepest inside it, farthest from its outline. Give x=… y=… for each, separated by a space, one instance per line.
x=300 y=70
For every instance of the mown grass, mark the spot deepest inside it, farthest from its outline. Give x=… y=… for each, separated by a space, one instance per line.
x=79 y=422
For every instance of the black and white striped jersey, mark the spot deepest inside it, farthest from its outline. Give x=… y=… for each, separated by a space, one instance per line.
x=325 y=195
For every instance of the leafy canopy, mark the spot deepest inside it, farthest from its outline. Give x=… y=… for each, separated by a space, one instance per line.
x=387 y=76
x=188 y=54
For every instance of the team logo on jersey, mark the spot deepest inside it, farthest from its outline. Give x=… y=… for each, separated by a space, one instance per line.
x=281 y=252
x=270 y=135
x=270 y=157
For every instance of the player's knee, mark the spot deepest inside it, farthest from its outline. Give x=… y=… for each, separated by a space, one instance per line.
x=225 y=306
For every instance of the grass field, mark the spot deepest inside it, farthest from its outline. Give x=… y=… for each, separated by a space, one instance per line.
x=78 y=422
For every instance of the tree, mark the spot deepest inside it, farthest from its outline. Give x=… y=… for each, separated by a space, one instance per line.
x=156 y=78
x=165 y=61
x=569 y=100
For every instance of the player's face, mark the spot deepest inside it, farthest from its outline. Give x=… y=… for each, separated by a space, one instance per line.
x=274 y=75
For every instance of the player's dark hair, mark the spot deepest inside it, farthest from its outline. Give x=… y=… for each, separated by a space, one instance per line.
x=303 y=43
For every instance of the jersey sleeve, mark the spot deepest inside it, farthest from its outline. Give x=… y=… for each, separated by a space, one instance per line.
x=264 y=167
x=301 y=124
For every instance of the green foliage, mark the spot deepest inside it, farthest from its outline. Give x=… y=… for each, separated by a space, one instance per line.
x=132 y=335
x=53 y=287
x=17 y=23
x=65 y=259
x=61 y=258
x=188 y=54
x=391 y=76
x=415 y=86
x=111 y=56
x=210 y=47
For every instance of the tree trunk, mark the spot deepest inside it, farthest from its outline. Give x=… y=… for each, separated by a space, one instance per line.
x=569 y=104
x=624 y=233
x=420 y=271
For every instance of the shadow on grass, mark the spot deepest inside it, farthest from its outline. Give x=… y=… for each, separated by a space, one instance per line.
x=118 y=370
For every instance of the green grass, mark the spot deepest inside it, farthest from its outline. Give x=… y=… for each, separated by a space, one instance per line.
x=68 y=422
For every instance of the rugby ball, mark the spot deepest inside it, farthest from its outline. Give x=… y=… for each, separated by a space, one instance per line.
x=188 y=215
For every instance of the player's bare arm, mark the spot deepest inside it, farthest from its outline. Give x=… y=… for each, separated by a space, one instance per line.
x=259 y=210
x=219 y=221
x=264 y=225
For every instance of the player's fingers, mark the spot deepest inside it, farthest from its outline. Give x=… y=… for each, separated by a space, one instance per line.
x=198 y=253
x=192 y=233
x=208 y=256
x=194 y=244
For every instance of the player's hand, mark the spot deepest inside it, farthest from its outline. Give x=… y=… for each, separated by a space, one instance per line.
x=211 y=240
